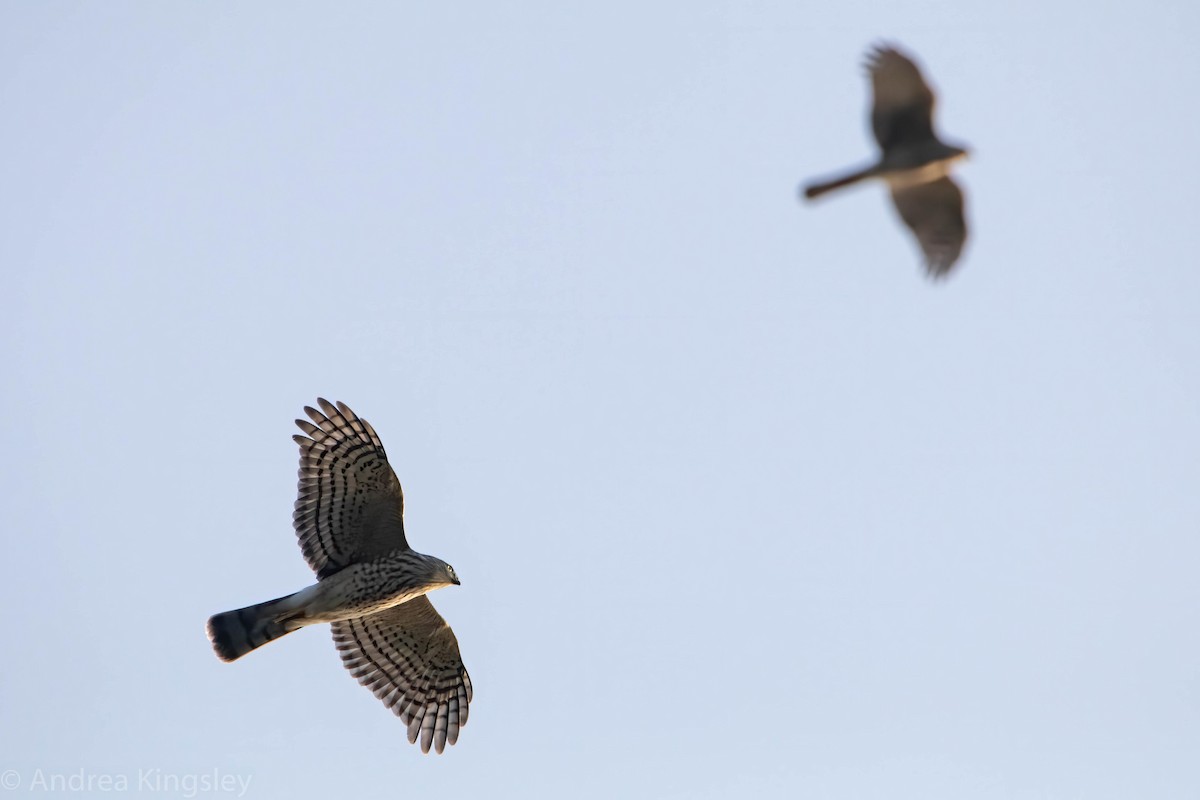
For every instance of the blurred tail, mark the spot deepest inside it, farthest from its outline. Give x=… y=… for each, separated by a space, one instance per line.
x=235 y=633
x=817 y=189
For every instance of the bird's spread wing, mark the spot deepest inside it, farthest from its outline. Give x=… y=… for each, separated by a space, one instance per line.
x=934 y=212
x=408 y=656
x=902 y=112
x=350 y=506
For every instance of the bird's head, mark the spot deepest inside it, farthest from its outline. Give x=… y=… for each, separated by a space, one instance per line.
x=431 y=572
x=442 y=573
x=958 y=152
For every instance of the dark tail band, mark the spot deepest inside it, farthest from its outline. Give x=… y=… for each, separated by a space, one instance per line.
x=235 y=633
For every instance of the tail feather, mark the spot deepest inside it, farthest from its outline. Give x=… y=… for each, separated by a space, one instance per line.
x=817 y=189
x=235 y=633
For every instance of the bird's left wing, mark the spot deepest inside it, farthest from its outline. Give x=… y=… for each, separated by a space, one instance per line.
x=408 y=656
x=934 y=212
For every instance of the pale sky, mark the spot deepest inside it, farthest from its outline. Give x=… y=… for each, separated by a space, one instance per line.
x=742 y=504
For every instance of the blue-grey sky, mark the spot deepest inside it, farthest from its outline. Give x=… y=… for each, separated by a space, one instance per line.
x=742 y=504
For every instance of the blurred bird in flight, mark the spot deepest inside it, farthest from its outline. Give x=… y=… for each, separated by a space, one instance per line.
x=913 y=161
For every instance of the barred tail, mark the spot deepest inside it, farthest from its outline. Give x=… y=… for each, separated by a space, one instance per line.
x=815 y=190
x=235 y=633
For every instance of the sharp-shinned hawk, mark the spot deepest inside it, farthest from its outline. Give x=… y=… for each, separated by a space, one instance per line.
x=371 y=585
x=913 y=160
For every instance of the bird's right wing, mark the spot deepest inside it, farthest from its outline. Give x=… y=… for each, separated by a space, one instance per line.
x=408 y=656
x=934 y=212
x=902 y=111
x=349 y=505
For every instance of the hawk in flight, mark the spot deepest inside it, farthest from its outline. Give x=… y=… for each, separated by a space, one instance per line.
x=371 y=585
x=913 y=160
